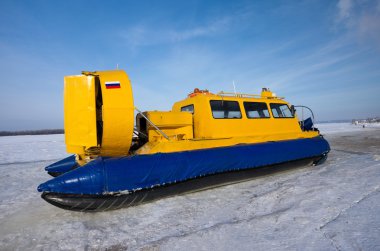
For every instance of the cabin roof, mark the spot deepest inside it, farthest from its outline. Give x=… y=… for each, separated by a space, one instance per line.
x=266 y=96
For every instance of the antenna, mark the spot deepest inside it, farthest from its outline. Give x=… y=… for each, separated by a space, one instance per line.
x=233 y=83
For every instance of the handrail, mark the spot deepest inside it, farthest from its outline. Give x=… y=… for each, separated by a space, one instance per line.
x=311 y=111
x=312 y=114
x=150 y=122
x=244 y=95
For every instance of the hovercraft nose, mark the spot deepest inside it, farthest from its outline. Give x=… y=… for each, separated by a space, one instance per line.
x=49 y=186
x=62 y=166
x=58 y=184
x=42 y=187
x=88 y=179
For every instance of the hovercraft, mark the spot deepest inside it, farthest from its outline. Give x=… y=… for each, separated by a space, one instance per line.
x=206 y=140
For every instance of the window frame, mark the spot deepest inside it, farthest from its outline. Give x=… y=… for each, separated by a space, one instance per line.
x=292 y=117
x=246 y=112
x=191 y=105
x=219 y=100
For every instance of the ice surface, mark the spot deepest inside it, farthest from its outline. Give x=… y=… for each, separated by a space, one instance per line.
x=329 y=207
x=28 y=148
x=328 y=128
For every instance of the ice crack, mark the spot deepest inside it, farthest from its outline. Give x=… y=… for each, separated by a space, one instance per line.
x=366 y=196
x=377 y=188
x=233 y=221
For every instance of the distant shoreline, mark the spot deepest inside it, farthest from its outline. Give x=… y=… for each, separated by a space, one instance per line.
x=32 y=132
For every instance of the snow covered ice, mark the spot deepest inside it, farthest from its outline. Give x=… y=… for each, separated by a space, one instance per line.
x=333 y=206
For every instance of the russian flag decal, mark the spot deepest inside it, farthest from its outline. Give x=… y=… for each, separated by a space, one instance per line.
x=113 y=85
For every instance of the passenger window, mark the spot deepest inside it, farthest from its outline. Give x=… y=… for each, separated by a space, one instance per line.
x=256 y=110
x=188 y=108
x=281 y=111
x=225 y=109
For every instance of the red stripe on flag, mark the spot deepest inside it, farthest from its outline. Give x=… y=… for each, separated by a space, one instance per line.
x=112 y=86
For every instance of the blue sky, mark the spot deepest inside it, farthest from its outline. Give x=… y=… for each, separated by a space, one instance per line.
x=323 y=54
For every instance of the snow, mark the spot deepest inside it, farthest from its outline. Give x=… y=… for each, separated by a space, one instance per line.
x=333 y=206
x=31 y=148
x=328 y=128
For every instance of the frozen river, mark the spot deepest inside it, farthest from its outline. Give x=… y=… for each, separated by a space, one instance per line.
x=333 y=206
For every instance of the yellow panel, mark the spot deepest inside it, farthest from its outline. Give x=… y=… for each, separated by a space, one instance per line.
x=176 y=125
x=117 y=113
x=168 y=119
x=80 y=113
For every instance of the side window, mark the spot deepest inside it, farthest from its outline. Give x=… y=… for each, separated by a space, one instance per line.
x=256 y=110
x=225 y=109
x=188 y=108
x=281 y=111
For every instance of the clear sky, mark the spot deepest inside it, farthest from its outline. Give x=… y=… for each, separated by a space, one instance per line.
x=323 y=54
